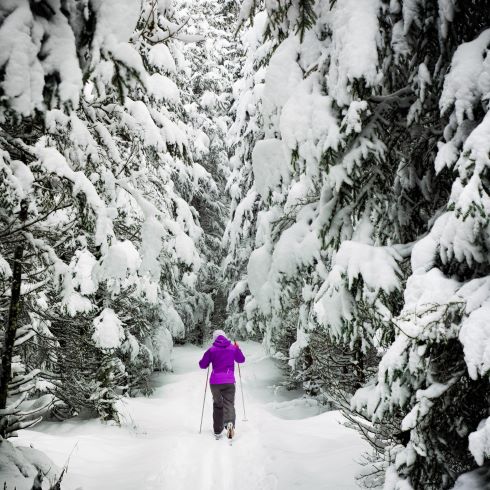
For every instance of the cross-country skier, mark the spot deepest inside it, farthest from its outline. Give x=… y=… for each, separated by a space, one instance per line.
x=222 y=355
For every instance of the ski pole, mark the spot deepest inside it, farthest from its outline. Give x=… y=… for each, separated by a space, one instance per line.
x=243 y=399
x=204 y=401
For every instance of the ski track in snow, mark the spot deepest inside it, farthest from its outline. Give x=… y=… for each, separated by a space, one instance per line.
x=287 y=442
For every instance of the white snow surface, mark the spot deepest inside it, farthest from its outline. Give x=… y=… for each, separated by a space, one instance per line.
x=469 y=78
x=19 y=465
x=355 y=29
x=287 y=443
x=308 y=124
x=119 y=264
x=109 y=331
x=378 y=268
x=283 y=75
x=478 y=479
x=116 y=20
x=376 y=265
x=161 y=57
x=270 y=162
x=22 y=37
x=163 y=88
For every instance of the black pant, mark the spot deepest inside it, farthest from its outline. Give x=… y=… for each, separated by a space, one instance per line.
x=223 y=405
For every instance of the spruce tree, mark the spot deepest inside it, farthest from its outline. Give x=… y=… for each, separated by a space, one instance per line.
x=97 y=176
x=352 y=164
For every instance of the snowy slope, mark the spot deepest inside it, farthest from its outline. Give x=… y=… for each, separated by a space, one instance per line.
x=287 y=443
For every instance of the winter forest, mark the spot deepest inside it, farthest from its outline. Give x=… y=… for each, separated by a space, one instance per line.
x=310 y=176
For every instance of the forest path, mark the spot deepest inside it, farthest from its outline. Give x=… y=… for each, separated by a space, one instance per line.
x=287 y=443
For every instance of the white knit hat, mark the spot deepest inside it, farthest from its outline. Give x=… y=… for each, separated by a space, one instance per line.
x=217 y=333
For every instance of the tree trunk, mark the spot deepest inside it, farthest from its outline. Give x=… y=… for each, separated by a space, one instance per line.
x=13 y=318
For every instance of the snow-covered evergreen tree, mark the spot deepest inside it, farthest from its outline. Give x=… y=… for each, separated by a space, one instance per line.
x=350 y=175
x=206 y=91
x=98 y=176
x=240 y=232
x=40 y=71
x=431 y=382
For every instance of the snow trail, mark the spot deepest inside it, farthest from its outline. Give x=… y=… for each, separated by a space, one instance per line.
x=288 y=443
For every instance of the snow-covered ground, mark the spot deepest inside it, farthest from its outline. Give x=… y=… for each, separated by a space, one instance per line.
x=287 y=442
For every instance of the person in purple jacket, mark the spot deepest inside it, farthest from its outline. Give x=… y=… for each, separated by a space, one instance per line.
x=222 y=355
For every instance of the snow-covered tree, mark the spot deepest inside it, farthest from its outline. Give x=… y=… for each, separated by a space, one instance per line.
x=350 y=175
x=240 y=232
x=40 y=71
x=432 y=380
x=98 y=177
x=312 y=166
x=209 y=52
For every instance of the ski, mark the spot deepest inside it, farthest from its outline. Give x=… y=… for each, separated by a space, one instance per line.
x=230 y=432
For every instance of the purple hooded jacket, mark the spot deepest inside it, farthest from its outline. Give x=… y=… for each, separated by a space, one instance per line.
x=222 y=355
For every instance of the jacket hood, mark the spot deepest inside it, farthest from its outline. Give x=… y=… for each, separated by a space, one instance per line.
x=221 y=341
